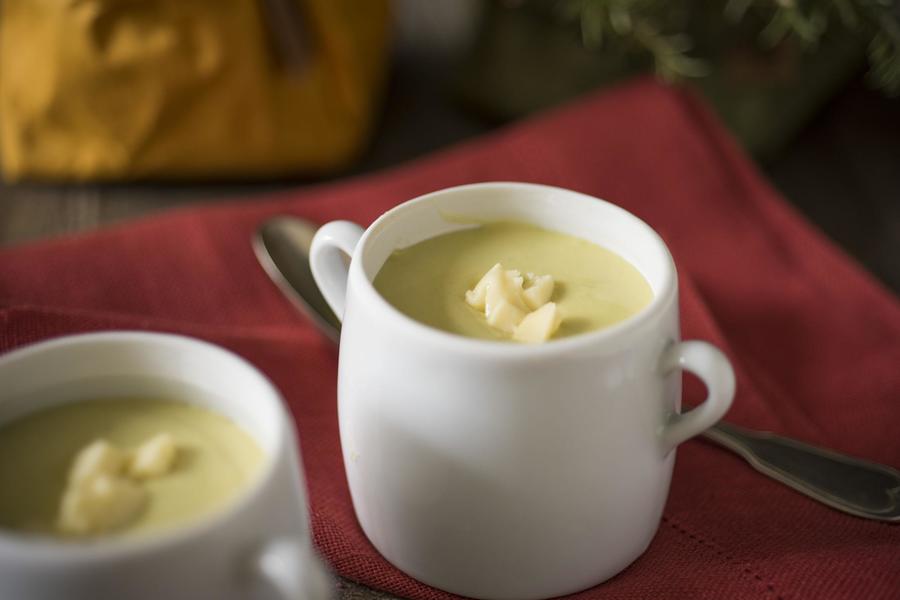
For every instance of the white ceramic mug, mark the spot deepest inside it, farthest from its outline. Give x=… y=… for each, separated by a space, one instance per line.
x=257 y=547
x=505 y=471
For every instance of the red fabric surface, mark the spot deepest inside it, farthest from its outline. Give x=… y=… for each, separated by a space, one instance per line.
x=815 y=341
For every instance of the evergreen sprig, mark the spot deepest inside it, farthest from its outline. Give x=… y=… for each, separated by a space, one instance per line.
x=656 y=28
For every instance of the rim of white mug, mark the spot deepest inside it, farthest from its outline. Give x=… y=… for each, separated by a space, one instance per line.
x=101 y=548
x=496 y=349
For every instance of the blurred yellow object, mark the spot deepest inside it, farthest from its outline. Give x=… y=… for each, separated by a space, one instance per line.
x=173 y=89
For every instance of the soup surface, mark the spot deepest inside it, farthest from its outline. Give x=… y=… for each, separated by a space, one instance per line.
x=593 y=287
x=215 y=460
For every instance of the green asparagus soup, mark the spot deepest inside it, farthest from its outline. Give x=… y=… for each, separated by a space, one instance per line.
x=126 y=466
x=592 y=287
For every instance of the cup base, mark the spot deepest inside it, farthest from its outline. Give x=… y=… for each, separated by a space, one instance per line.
x=535 y=590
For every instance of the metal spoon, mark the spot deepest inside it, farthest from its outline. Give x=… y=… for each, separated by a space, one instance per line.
x=282 y=246
x=848 y=484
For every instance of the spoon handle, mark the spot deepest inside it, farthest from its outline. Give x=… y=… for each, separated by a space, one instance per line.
x=851 y=485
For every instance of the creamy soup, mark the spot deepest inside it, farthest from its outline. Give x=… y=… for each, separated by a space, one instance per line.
x=213 y=460
x=593 y=287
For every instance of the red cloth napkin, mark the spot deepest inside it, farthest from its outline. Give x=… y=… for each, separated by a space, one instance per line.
x=816 y=342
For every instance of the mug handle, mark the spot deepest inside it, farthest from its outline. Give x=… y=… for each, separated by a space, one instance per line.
x=293 y=569
x=328 y=267
x=712 y=367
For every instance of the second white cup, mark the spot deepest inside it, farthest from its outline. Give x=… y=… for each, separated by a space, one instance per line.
x=259 y=547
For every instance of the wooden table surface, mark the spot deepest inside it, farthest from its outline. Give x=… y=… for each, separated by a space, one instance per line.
x=843 y=173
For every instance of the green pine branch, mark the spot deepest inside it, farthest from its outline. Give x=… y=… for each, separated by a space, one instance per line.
x=655 y=29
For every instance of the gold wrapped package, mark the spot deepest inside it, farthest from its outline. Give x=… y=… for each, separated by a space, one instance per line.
x=174 y=89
